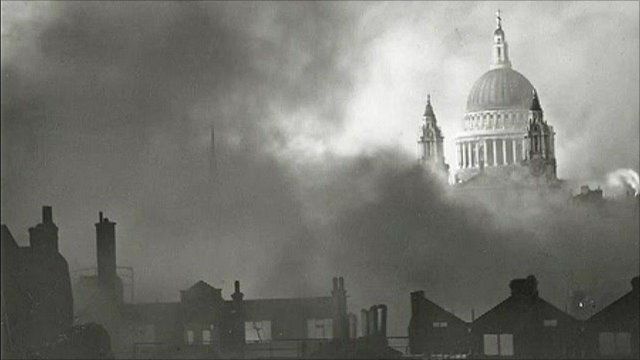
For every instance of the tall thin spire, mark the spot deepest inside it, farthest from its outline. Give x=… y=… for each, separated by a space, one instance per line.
x=428 y=110
x=498 y=19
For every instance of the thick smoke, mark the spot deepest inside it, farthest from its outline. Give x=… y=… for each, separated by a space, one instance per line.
x=110 y=106
x=624 y=179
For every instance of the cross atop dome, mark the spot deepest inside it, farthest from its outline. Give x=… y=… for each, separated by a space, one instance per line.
x=499 y=19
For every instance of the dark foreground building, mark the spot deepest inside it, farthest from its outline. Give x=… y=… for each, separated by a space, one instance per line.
x=203 y=324
x=37 y=304
x=525 y=326
x=613 y=331
x=435 y=332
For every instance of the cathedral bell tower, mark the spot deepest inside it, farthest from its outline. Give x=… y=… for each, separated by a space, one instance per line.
x=540 y=155
x=430 y=140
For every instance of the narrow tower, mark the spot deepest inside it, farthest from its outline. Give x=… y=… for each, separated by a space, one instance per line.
x=430 y=141
x=540 y=140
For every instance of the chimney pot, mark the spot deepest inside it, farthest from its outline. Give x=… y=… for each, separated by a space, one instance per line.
x=236 y=286
x=524 y=287
x=47 y=215
x=100 y=216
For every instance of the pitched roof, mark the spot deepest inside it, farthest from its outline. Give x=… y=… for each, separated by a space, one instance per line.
x=518 y=311
x=625 y=307
x=450 y=316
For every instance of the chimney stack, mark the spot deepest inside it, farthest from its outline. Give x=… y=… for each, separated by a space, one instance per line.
x=374 y=321
x=524 y=287
x=106 y=252
x=44 y=236
x=365 y=322
x=416 y=296
x=383 y=320
x=47 y=215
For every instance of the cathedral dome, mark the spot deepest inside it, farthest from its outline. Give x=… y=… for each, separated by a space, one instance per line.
x=500 y=89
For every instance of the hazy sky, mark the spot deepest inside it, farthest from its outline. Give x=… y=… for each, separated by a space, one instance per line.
x=108 y=106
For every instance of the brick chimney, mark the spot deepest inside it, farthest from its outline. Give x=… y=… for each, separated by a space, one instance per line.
x=237 y=317
x=364 y=314
x=339 y=300
x=383 y=320
x=106 y=251
x=416 y=297
x=524 y=287
x=44 y=236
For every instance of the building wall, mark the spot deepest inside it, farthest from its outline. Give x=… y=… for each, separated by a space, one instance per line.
x=434 y=331
x=613 y=332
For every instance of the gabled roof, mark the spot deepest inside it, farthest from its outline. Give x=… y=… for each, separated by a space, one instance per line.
x=201 y=290
x=447 y=314
x=201 y=286
x=8 y=242
x=626 y=307
x=517 y=311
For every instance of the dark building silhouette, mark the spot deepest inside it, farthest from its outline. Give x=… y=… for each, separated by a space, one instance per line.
x=525 y=326
x=86 y=341
x=373 y=344
x=374 y=321
x=37 y=305
x=613 y=331
x=203 y=323
x=588 y=196
x=107 y=277
x=434 y=331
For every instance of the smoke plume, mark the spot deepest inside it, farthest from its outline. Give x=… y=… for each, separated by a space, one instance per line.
x=624 y=179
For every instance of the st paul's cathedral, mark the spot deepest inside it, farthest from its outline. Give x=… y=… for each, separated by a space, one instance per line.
x=506 y=142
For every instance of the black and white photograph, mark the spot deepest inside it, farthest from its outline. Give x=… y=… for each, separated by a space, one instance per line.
x=320 y=179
